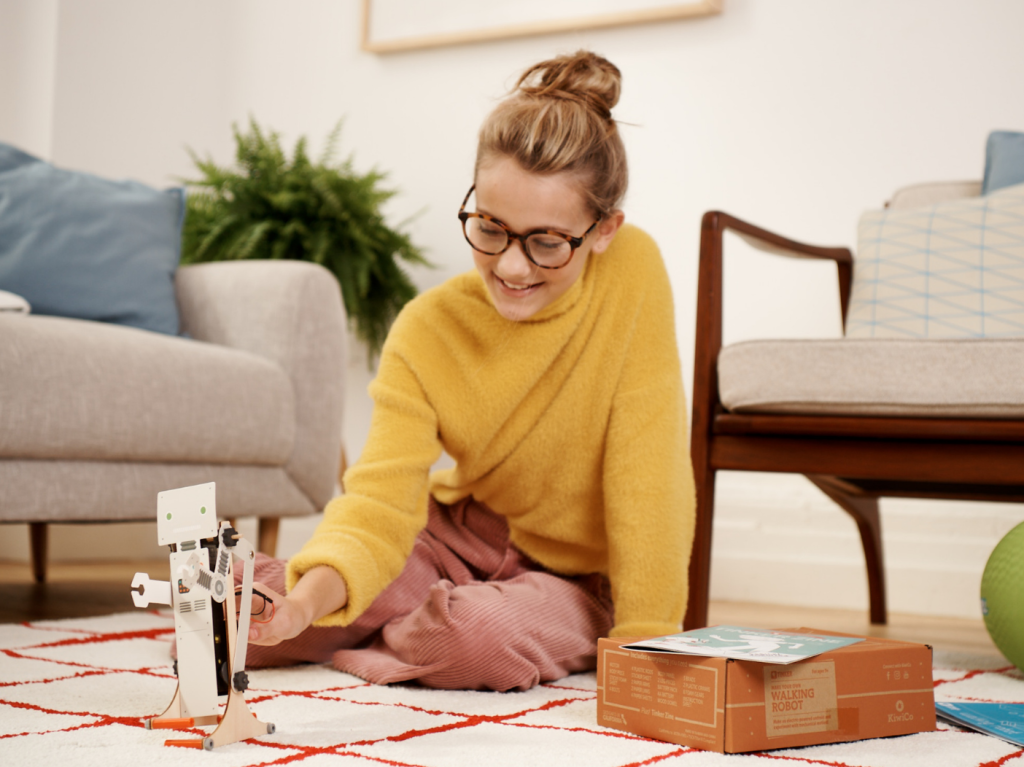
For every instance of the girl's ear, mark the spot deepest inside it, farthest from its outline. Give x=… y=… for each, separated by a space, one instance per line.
x=606 y=230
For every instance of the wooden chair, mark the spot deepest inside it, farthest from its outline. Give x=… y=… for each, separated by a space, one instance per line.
x=853 y=459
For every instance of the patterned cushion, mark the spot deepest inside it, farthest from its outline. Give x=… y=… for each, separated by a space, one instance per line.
x=952 y=270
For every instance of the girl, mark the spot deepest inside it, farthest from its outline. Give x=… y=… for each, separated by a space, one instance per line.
x=551 y=376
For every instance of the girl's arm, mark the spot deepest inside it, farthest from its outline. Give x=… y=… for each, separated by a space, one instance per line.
x=367 y=533
x=319 y=592
x=648 y=477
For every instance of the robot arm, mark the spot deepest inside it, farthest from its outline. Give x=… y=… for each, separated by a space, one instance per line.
x=194 y=573
x=150 y=592
x=243 y=550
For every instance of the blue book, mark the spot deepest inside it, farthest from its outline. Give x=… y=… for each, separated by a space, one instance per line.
x=1001 y=720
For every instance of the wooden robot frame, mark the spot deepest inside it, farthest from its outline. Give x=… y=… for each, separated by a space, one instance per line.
x=211 y=646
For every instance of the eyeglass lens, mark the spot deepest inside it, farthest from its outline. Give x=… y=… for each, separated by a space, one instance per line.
x=544 y=249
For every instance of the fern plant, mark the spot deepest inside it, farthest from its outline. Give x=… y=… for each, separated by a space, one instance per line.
x=274 y=207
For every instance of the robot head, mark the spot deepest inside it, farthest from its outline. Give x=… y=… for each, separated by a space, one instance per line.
x=186 y=514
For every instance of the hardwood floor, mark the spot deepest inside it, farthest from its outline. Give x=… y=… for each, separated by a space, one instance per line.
x=72 y=590
x=948 y=634
x=87 y=589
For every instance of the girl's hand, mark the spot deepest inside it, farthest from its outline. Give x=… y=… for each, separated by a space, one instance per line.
x=319 y=592
x=281 y=617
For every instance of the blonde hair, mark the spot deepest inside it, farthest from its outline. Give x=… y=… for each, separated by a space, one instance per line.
x=559 y=119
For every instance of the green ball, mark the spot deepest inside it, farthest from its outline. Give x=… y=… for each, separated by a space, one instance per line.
x=1002 y=596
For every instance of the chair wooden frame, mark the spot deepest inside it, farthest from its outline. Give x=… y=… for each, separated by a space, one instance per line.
x=854 y=460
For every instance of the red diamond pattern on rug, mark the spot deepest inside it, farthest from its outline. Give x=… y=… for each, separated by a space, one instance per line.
x=78 y=692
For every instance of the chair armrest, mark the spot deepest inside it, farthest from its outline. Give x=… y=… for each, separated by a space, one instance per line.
x=715 y=223
x=291 y=313
x=706 y=400
x=709 y=298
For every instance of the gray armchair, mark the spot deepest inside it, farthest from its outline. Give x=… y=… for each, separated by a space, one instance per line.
x=96 y=419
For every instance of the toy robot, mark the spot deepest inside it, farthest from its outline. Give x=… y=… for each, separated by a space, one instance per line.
x=211 y=647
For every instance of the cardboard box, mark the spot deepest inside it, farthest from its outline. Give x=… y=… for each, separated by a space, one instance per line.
x=870 y=689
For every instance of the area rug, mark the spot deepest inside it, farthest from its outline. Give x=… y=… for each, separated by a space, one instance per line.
x=77 y=692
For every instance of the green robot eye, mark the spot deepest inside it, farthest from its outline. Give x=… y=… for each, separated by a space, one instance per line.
x=202 y=510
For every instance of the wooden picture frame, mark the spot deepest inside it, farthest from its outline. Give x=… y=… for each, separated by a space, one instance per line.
x=420 y=24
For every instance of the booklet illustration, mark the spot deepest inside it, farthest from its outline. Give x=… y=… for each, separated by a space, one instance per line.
x=741 y=643
x=1001 y=720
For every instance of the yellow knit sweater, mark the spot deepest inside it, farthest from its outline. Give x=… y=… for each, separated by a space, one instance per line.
x=570 y=424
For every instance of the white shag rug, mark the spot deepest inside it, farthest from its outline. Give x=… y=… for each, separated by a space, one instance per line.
x=77 y=692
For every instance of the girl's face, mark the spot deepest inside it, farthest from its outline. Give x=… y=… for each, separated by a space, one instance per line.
x=524 y=202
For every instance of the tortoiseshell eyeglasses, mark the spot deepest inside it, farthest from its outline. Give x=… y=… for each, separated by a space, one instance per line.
x=546 y=248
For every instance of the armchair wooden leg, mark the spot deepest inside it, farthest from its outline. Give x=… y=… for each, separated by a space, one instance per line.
x=864 y=510
x=38 y=534
x=268 y=527
x=700 y=558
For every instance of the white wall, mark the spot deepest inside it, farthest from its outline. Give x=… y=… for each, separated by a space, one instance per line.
x=137 y=83
x=28 y=63
x=795 y=114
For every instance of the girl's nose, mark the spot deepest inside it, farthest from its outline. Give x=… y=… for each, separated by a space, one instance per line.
x=513 y=265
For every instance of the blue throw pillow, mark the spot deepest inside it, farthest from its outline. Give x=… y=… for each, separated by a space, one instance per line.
x=1004 y=160
x=77 y=245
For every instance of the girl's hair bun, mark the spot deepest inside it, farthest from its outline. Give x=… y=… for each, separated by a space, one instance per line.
x=583 y=76
x=558 y=119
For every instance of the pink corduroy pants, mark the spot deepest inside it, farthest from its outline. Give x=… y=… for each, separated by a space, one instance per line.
x=468 y=611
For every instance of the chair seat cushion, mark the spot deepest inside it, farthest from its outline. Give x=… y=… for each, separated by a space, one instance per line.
x=981 y=378
x=81 y=390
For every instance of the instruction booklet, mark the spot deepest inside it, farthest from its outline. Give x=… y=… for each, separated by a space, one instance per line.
x=741 y=643
x=1001 y=720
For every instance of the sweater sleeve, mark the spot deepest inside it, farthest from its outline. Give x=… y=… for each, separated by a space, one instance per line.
x=368 y=533
x=648 y=477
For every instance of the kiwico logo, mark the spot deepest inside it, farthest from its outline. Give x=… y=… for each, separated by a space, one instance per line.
x=901 y=715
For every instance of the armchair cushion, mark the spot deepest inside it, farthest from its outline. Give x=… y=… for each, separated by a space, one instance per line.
x=96 y=419
x=1004 y=161
x=89 y=391
x=951 y=270
x=77 y=245
x=981 y=378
